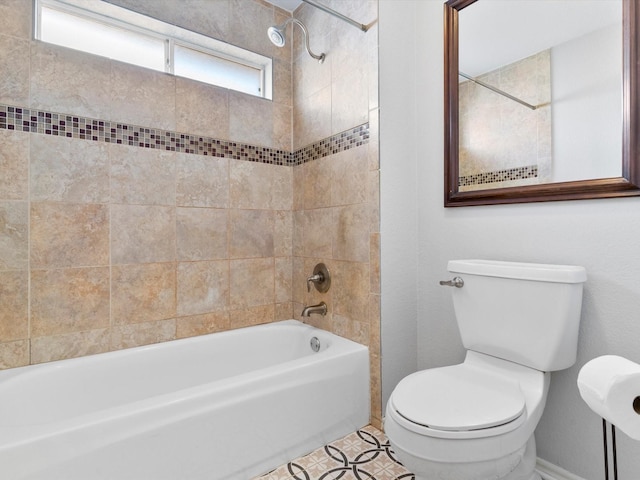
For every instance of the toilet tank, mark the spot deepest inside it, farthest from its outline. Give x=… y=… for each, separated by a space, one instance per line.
x=523 y=312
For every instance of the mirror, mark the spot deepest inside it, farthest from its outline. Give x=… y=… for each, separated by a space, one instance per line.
x=521 y=125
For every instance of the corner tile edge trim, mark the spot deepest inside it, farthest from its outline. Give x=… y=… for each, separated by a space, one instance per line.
x=44 y=122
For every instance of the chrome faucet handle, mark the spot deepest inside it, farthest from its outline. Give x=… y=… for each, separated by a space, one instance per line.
x=454 y=282
x=321 y=278
x=317 y=278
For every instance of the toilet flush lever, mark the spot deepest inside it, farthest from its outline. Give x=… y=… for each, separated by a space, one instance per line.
x=455 y=282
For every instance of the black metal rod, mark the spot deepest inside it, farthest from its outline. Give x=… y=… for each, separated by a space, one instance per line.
x=606 y=449
x=615 y=454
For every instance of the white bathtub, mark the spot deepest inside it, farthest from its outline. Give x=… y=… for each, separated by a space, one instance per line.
x=230 y=405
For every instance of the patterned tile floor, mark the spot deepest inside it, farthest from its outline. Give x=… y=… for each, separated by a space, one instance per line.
x=361 y=455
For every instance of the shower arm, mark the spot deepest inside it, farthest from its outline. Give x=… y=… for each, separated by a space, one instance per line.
x=319 y=6
x=320 y=57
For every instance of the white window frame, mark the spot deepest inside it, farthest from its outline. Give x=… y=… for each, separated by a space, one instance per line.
x=113 y=15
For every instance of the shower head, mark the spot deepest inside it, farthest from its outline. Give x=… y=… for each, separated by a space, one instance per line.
x=277 y=36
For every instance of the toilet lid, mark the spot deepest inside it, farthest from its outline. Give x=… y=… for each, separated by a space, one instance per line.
x=458 y=398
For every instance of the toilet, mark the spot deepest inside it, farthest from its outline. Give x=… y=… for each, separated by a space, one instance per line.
x=475 y=420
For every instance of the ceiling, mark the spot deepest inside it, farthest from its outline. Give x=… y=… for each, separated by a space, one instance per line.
x=288 y=5
x=494 y=33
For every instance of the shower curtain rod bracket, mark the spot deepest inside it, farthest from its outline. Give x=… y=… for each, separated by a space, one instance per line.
x=342 y=17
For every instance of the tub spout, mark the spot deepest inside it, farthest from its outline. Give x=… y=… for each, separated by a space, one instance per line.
x=320 y=308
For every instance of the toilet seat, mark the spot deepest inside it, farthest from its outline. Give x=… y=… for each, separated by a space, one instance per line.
x=459 y=401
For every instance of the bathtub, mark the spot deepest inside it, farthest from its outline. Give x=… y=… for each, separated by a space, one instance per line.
x=229 y=405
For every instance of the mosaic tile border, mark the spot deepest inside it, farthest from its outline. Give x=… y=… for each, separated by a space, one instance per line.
x=74 y=126
x=519 y=173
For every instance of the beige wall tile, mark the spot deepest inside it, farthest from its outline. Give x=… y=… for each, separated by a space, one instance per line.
x=142 y=293
x=252 y=282
x=284 y=279
x=15 y=18
x=202 y=233
x=317 y=182
x=351 y=234
x=249 y=316
x=350 y=176
x=374 y=324
x=299 y=173
x=69 y=345
x=142 y=234
x=312 y=118
x=298 y=232
x=203 y=287
x=202 y=324
x=374 y=200
x=14 y=165
x=14 y=302
x=299 y=278
x=284 y=311
x=14 y=81
x=374 y=140
x=374 y=262
x=248 y=18
x=202 y=109
x=136 y=335
x=283 y=233
x=260 y=186
x=14 y=354
x=310 y=76
x=282 y=118
x=318 y=232
x=69 y=300
x=350 y=101
x=350 y=288
x=282 y=83
x=64 y=80
x=248 y=117
x=202 y=16
x=202 y=181
x=142 y=96
x=251 y=233
x=68 y=170
x=142 y=176
x=68 y=235
x=14 y=235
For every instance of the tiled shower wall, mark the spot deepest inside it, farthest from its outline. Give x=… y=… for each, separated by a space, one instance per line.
x=336 y=198
x=106 y=246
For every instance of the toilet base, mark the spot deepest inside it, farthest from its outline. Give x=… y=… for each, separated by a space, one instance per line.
x=524 y=470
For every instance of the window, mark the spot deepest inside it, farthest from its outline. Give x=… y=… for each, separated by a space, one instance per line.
x=104 y=29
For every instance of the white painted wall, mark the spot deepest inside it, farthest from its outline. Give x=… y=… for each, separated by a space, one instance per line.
x=586 y=108
x=398 y=187
x=601 y=235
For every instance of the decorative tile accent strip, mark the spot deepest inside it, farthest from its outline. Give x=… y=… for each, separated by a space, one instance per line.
x=519 y=173
x=363 y=455
x=331 y=145
x=72 y=126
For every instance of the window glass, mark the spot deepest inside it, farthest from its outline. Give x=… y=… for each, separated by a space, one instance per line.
x=68 y=30
x=104 y=29
x=207 y=68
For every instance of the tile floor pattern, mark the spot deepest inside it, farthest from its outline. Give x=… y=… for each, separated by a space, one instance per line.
x=362 y=455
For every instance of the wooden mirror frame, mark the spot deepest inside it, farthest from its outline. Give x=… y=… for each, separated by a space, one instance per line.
x=625 y=186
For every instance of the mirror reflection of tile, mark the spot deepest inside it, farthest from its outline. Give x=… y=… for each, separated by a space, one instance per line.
x=365 y=453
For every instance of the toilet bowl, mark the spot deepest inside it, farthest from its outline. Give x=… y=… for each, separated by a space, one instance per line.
x=475 y=420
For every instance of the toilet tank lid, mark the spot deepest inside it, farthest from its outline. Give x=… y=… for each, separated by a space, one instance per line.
x=522 y=271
